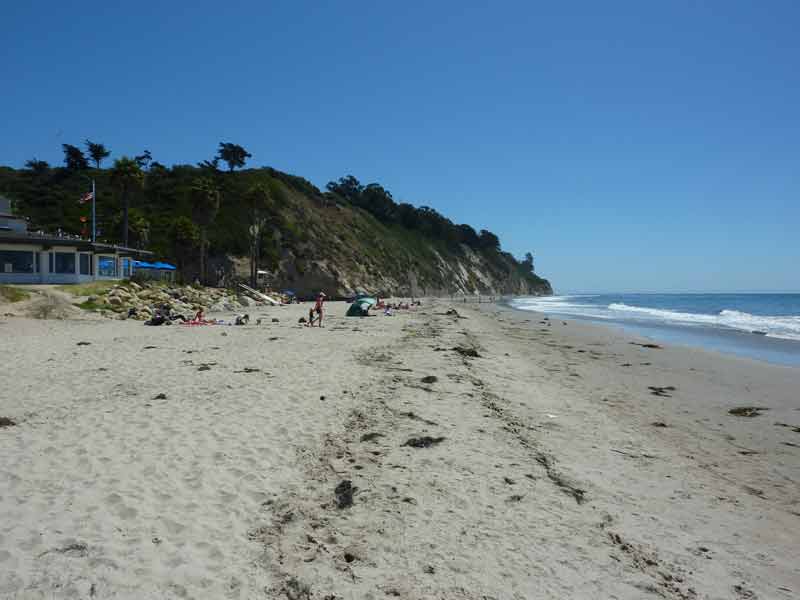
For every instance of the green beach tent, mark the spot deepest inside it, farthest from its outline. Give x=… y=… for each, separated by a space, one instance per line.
x=360 y=308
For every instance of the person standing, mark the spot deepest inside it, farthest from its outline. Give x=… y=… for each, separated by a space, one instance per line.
x=318 y=308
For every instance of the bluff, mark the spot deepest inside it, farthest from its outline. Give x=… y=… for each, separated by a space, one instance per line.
x=347 y=238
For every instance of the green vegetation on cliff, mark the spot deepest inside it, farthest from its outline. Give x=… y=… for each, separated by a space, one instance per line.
x=206 y=219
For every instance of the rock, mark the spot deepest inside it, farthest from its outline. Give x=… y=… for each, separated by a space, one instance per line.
x=134 y=285
x=115 y=300
x=344 y=494
x=425 y=441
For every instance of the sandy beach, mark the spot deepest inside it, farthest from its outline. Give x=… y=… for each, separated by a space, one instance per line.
x=491 y=455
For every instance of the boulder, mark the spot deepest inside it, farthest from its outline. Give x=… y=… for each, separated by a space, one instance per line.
x=115 y=300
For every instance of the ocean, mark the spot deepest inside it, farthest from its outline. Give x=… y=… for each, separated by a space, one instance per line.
x=761 y=326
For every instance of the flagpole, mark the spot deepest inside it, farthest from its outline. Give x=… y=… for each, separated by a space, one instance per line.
x=94 y=199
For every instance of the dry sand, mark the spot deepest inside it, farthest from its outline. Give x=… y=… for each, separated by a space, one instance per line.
x=213 y=462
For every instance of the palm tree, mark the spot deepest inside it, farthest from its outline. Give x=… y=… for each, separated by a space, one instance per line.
x=126 y=176
x=205 y=197
x=98 y=152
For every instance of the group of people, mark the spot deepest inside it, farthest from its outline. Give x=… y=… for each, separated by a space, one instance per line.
x=163 y=314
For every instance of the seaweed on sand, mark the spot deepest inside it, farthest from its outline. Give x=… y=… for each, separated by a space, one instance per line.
x=425 y=441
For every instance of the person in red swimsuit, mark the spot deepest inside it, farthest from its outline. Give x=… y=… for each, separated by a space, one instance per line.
x=318 y=309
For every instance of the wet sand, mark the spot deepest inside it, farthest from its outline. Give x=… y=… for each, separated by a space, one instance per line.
x=371 y=459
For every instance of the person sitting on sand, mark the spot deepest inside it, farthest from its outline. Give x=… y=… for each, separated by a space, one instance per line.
x=200 y=318
x=157 y=319
x=242 y=319
x=166 y=311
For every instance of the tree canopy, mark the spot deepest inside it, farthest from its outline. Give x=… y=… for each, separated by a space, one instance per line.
x=97 y=152
x=232 y=154
x=74 y=159
x=378 y=201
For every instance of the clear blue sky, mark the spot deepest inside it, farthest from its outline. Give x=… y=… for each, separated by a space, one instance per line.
x=629 y=145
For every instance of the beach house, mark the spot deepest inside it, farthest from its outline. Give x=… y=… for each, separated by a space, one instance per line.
x=38 y=257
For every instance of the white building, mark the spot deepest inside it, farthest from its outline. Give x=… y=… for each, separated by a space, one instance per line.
x=35 y=257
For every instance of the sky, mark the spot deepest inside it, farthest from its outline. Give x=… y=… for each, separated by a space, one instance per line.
x=631 y=146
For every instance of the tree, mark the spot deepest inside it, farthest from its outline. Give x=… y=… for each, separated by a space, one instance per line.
x=469 y=237
x=378 y=201
x=143 y=159
x=126 y=176
x=233 y=154
x=488 y=240
x=259 y=201
x=37 y=166
x=210 y=165
x=74 y=158
x=348 y=188
x=407 y=216
x=527 y=264
x=183 y=238
x=205 y=198
x=140 y=227
x=97 y=152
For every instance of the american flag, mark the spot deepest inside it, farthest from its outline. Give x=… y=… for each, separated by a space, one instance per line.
x=85 y=198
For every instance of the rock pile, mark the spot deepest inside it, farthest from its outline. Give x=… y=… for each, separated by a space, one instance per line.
x=118 y=300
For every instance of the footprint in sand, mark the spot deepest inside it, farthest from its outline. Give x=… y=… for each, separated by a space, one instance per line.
x=127 y=513
x=173 y=527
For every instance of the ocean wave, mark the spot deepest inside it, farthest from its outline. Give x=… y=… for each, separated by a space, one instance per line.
x=787 y=327
x=563 y=305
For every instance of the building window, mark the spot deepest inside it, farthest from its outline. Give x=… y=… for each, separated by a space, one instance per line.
x=126 y=267
x=65 y=263
x=106 y=266
x=16 y=261
x=86 y=262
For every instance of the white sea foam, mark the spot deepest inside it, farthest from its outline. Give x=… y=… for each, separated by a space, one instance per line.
x=787 y=327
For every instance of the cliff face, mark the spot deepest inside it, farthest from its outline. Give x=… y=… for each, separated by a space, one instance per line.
x=342 y=241
x=343 y=249
x=464 y=272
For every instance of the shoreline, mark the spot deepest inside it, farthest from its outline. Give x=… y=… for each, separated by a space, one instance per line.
x=563 y=461
x=729 y=342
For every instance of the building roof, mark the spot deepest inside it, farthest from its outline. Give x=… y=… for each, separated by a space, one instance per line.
x=10 y=237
